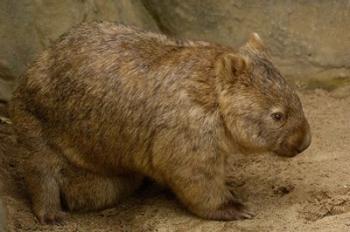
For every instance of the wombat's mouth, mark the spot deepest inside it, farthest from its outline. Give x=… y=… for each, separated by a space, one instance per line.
x=290 y=151
x=287 y=153
x=295 y=144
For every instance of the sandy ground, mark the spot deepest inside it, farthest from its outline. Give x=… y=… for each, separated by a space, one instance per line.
x=310 y=192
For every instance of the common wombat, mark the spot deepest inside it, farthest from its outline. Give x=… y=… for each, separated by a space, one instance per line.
x=107 y=105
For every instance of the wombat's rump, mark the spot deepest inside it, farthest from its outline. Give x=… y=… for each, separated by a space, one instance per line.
x=107 y=105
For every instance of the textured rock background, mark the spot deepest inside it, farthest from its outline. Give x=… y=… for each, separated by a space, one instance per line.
x=3 y=223
x=308 y=39
x=305 y=37
x=29 y=26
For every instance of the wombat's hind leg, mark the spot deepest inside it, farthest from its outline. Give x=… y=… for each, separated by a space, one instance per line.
x=41 y=175
x=42 y=167
x=86 y=191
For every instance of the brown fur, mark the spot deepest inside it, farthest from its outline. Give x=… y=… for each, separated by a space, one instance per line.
x=107 y=105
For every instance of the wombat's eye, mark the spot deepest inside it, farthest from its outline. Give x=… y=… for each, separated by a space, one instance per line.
x=278 y=116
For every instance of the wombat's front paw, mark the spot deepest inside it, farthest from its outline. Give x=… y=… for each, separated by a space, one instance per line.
x=50 y=216
x=232 y=211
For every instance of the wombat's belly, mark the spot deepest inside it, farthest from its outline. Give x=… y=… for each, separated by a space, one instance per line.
x=104 y=151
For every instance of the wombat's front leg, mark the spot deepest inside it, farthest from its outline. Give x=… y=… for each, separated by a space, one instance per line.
x=86 y=191
x=207 y=195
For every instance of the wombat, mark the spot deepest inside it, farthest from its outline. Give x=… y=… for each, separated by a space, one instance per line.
x=108 y=105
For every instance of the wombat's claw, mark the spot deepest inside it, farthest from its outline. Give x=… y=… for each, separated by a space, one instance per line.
x=54 y=218
x=233 y=211
x=236 y=214
x=246 y=214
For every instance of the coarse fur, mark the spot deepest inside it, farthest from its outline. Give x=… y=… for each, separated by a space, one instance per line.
x=107 y=105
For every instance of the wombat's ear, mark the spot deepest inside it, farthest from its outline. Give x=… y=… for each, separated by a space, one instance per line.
x=230 y=66
x=255 y=43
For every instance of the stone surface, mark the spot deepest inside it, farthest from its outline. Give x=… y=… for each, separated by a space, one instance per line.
x=3 y=223
x=304 y=37
x=7 y=81
x=29 y=26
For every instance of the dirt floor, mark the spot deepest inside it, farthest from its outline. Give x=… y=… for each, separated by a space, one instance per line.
x=310 y=192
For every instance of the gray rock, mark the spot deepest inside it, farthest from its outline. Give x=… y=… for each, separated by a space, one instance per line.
x=29 y=26
x=305 y=37
x=2 y=217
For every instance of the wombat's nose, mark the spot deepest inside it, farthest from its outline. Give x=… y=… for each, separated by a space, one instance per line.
x=305 y=142
x=297 y=142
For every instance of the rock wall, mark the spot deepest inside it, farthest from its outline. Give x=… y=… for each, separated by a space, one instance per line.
x=307 y=38
x=3 y=223
x=29 y=26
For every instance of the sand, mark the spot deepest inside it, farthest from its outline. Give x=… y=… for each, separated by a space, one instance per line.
x=310 y=192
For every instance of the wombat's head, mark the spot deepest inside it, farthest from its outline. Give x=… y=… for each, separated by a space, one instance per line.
x=261 y=111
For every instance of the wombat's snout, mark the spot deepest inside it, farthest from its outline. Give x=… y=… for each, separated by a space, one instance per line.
x=298 y=141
